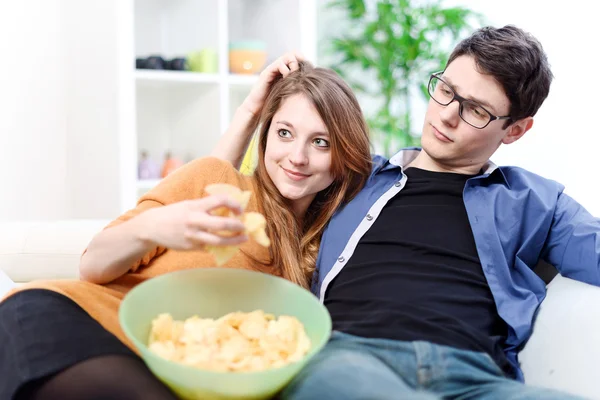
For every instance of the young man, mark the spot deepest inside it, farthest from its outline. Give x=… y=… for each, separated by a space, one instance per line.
x=428 y=272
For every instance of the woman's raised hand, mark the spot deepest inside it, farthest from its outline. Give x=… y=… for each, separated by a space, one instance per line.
x=282 y=66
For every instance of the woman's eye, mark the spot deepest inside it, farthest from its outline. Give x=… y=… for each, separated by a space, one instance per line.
x=321 y=142
x=284 y=133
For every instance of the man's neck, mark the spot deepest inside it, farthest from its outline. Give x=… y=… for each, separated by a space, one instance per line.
x=423 y=161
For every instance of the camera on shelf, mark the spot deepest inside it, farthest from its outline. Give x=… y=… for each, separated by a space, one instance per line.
x=158 y=62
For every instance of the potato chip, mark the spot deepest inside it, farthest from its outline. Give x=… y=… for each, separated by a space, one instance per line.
x=222 y=254
x=239 y=195
x=164 y=349
x=165 y=329
x=255 y=223
x=238 y=341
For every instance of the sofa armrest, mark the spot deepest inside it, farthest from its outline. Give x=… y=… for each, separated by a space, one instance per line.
x=564 y=351
x=45 y=250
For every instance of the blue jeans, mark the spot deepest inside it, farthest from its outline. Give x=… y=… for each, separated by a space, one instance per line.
x=350 y=367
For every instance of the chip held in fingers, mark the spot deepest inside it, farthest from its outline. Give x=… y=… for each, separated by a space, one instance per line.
x=255 y=223
x=239 y=195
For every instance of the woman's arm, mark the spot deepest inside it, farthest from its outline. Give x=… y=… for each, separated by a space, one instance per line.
x=186 y=225
x=234 y=142
x=173 y=215
x=113 y=251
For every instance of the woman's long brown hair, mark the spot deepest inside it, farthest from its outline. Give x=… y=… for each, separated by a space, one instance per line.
x=295 y=242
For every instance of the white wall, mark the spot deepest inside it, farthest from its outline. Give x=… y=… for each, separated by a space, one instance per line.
x=33 y=117
x=100 y=88
x=61 y=112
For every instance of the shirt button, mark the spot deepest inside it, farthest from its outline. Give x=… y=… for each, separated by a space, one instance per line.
x=341 y=259
x=398 y=184
x=369 y=217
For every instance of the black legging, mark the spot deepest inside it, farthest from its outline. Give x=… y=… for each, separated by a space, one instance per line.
x=51 y=348
x=109 y=377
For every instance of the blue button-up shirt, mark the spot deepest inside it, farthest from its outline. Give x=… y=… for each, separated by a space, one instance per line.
x=517 y=218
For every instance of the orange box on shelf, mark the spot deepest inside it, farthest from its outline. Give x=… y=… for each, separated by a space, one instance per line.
x=247 y=57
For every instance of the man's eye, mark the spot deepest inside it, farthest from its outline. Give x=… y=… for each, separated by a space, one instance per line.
x=479 y=112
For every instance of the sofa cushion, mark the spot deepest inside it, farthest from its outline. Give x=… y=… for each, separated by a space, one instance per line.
x=45 y=250
x=563 y=352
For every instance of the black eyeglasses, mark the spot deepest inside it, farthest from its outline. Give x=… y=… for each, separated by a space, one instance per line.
x=469 y=111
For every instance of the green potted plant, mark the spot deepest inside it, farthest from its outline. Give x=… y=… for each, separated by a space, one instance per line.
x=388 y=52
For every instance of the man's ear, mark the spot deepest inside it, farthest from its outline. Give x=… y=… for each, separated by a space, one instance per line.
x=517 y=130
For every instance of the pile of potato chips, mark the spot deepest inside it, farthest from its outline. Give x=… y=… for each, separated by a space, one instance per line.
x=238 y=341
x=254 y=222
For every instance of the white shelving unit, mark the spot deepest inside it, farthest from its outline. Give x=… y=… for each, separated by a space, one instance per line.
x=158 y=77
x=186 y=112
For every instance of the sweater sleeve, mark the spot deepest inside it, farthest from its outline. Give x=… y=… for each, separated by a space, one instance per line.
x=185 y=183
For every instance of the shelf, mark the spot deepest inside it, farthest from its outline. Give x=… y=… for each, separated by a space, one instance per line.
x=147 y=184
x=148 y=76
x=185 y=112
x=175 y=77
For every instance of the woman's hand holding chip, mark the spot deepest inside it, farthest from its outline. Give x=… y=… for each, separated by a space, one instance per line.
x=189 y=225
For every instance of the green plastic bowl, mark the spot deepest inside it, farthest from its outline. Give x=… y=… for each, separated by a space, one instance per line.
x=212 y=293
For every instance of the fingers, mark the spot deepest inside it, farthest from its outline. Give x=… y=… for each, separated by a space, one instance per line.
x=283 y=68
x=292 y=60
x=210 y=203
x=214 y=223
x=200 y=219
x=208 y=229
x=285 y=64
x=204 y=238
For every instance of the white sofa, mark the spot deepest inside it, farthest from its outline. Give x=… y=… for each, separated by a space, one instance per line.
x=563 y=353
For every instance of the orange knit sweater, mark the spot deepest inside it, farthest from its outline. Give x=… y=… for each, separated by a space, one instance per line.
x=188 y=182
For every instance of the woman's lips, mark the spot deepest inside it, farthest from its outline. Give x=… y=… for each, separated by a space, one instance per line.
x=296 y=176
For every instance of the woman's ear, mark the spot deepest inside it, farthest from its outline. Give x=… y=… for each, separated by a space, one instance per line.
x=517 y=130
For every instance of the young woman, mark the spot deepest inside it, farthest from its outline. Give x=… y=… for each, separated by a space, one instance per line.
x=62 y=340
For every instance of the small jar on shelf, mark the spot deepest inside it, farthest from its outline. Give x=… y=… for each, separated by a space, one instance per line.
x=247 y=56
x=147 y=168
x=170 y=164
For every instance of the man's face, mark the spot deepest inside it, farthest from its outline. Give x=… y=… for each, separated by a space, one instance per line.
x=448 y=140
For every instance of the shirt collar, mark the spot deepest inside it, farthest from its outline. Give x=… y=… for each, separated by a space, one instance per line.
x=406 y=156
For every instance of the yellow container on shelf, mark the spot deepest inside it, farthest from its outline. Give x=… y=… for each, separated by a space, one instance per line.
x=204 y=61
x=247 y=57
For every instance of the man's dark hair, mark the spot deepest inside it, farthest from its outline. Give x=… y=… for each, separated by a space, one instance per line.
x=516 y=60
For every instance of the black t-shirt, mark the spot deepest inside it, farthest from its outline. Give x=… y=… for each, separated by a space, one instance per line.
x=416 y=275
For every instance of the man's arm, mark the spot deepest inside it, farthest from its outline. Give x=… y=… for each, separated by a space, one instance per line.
x=573 y=245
